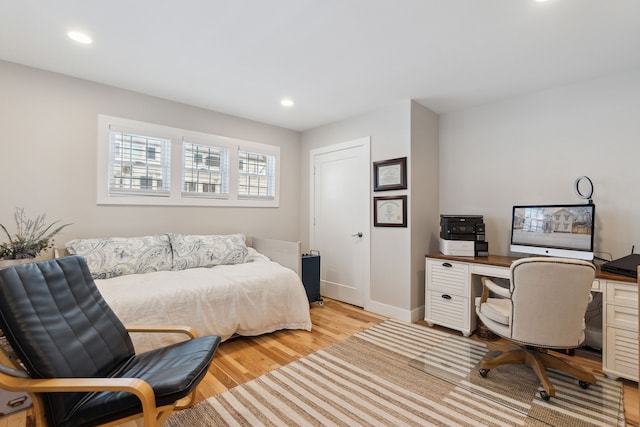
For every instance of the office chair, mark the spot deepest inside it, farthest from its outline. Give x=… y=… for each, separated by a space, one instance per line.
x=76 y=359
x=543 y=308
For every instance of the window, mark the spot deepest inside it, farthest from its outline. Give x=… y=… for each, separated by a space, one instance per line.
x=147 y=164
x=205 y=170
x=138 y=164
x=256 y=175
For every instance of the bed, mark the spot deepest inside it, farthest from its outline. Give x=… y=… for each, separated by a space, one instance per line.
x=224 y=289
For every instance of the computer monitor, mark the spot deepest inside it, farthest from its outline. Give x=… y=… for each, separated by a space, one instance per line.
x=553 y=230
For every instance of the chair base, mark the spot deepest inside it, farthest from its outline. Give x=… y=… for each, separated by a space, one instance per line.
x=539 y=360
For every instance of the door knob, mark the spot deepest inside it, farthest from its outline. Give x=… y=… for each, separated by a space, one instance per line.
x=359 y=234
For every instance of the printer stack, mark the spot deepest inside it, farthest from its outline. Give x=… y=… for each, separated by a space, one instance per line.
x=463 y=236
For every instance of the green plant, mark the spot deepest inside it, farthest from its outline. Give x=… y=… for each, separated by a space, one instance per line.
x=32 y=236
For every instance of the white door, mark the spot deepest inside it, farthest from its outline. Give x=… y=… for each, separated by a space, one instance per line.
x=340 y=219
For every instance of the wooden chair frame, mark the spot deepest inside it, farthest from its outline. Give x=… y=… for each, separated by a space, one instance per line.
x=537 y=359
x=152 y=415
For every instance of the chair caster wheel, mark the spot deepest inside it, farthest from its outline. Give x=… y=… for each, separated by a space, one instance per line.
x=585 y=385
x=484 y=372
x=544 y=395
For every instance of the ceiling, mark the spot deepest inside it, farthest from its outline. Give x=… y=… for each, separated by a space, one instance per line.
x=334 y=58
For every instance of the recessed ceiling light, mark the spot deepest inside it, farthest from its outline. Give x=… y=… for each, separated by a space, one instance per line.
x=287 y=102
x=541 y=1
x=79 y=37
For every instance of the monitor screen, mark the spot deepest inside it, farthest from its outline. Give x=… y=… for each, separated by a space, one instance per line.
x=553 y=230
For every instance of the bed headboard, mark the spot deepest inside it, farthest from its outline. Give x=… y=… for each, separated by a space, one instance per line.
x=283 y=252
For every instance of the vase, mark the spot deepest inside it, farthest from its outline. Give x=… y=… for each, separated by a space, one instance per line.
x=6 y=263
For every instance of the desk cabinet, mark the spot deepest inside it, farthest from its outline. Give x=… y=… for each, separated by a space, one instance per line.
x=620 y=331
x=448 y=296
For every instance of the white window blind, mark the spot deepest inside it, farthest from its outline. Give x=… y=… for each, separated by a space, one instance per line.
x=256 y=175
x=138 y=164
x=205 y=170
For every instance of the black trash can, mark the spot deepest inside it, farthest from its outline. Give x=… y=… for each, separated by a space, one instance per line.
x=311 y=276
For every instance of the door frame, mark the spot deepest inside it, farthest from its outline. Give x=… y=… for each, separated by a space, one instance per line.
x=366 y=143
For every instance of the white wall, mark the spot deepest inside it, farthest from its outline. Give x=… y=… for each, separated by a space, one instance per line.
x=530 y=149
x=397 y=283
x=390 y=138
x=48 y=144
x=524 y=150
x=423 y=182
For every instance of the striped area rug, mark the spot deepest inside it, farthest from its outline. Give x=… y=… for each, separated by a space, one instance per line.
x=365 y=380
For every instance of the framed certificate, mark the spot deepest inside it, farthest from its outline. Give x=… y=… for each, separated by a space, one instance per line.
x=390 y=174
x=390 y=211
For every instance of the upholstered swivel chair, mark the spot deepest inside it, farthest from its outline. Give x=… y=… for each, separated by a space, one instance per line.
x=543 y=308
x=76 y=359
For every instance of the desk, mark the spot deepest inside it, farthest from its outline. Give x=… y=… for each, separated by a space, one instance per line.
x=452 y=284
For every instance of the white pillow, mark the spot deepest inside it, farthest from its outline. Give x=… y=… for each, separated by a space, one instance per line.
x=254 y=255
x=117 y=256
x=191 y=251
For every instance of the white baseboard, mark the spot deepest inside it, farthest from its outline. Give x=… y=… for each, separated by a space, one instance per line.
x=410 y=316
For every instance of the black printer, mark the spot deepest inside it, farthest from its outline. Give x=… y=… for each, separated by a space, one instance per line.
x=463 y=235
x=456 y=227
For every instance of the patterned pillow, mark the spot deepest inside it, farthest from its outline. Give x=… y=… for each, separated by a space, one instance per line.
x=117 y=256
x=190 y=251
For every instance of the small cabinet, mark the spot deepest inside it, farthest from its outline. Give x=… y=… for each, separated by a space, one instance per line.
x=620 y=349
x=448 y=295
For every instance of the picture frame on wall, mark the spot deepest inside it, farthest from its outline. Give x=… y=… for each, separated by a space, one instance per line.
x=390 y=211
x=390 y=174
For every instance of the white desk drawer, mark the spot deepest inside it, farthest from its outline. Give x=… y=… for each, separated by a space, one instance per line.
x=448 y=277
x=619 y=293
x=491 y=271
x=620 y=316
x=448 y=310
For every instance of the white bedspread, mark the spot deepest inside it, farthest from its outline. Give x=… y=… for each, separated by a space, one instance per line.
x=246 y=299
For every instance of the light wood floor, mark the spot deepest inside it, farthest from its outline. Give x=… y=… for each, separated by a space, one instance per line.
x=242 y=359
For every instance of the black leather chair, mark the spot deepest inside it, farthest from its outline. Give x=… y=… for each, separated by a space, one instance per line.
x=76 y=357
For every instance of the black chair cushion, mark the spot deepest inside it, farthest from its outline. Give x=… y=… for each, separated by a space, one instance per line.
x=173 y=372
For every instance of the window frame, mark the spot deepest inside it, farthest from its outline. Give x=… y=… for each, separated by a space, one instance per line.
x=270 y=186
x=163 y=166
x=175 y=196
x=223 y=166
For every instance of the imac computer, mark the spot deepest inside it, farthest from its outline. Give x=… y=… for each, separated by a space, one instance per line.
x=553 y=230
